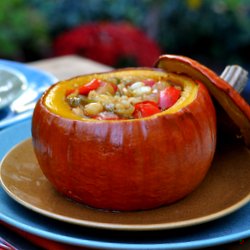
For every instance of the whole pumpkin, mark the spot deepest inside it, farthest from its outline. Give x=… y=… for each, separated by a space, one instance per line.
x=126 y=164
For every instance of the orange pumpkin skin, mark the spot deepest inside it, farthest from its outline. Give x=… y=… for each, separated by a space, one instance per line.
x=127 y=164
x=237 y=109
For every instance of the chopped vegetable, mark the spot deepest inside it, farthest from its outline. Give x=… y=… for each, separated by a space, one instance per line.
x=144 y=109
x=107 y=116
x=149 y=82
x=85 y=89
x=168 y=97
x=122 y=98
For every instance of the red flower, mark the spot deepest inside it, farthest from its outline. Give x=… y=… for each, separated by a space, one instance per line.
x=108 y=43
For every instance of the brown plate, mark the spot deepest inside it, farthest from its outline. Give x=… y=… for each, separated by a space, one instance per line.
x=225 y=189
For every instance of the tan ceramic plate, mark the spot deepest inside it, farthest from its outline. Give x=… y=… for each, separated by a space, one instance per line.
x=225 y=189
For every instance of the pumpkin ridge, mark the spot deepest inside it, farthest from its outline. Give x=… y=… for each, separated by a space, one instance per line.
x=126 y=165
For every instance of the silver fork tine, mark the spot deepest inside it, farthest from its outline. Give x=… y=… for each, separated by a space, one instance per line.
x=236 y=76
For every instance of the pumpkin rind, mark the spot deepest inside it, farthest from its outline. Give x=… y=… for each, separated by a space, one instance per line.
x=231 y=101
x=127 y=165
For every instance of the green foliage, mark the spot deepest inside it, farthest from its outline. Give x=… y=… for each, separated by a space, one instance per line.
x=217 y=29
x=22 y=28
x=214 y=29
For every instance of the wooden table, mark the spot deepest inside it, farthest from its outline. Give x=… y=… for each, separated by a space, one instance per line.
x=70 y=66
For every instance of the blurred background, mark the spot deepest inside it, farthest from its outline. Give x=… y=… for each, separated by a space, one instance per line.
x=124 y=33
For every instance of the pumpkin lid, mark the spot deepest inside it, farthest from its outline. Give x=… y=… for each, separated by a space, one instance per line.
x=229 y=99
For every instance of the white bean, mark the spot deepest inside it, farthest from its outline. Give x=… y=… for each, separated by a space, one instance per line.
x=78 y=111
x=93 y=108
x=142 y=91
x=136 y=85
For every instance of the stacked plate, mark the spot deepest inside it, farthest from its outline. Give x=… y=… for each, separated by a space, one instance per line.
x=20 y=87
x=217 y=212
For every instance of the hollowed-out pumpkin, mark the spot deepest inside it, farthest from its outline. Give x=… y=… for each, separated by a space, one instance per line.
x=128 y=164
x=231 y=102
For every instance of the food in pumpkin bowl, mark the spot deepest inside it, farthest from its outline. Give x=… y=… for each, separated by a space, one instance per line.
x=129 y=139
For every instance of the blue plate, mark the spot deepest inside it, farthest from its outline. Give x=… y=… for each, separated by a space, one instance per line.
x=233 y=227
x=12 y=84
x=36 y=81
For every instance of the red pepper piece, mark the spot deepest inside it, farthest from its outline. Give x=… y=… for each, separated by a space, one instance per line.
x=69 y=92
x=85 y=89
x=144 y=109
x=149 y=82
x=168 y=97
x=92 y=85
